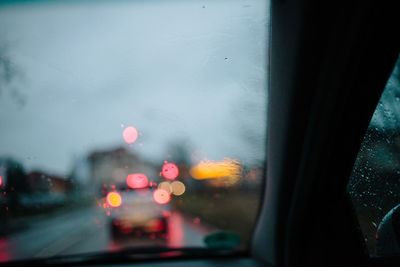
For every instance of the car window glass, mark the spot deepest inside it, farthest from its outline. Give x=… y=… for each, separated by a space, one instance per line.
x=375 y=180
x=130 y=124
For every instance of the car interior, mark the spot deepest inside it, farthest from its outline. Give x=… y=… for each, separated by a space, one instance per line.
x=329 y=62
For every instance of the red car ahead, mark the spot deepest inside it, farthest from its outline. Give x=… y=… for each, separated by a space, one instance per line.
x=134 y=212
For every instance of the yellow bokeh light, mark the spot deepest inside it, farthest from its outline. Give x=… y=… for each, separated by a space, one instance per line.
x=166 y=186
x=178 y=188
x=114 y=199
x=208 y=169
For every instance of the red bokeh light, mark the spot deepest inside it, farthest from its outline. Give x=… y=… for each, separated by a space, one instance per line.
x=130 y=135
x=137 y=180
x=170 y=171
x=161 y=196
x=114 y=199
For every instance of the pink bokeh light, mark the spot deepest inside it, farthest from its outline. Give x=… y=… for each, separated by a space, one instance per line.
x=137 y=180
x=130 y=135
x=170 y=171
x=161 y=196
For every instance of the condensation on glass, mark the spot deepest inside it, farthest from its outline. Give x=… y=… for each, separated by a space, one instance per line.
x=130 y=124
x=375 y=181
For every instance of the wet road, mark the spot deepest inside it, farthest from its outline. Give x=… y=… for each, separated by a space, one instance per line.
x=87 y=230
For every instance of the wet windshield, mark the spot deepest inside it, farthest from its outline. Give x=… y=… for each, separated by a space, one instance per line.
x=130 y=124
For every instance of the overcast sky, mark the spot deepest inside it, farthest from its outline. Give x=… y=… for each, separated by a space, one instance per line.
x=189 y=69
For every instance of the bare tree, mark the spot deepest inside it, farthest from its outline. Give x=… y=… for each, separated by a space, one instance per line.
x=9 y=74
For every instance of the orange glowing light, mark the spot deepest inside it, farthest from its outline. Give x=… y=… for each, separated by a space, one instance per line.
x=178 y=188
x=114 y=199
x=161 y=196
x=137 y=180
x=1 y=180
x=130 y=135
x=208 y=169
x=170 y=171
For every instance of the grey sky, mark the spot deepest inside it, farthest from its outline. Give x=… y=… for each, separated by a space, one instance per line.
x=172 y=69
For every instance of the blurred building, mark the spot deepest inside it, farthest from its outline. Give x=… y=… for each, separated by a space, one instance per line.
x=111 y=167
x=81 y=171
x=38 y=181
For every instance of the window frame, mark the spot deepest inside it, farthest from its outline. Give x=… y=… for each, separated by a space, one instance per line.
x=321 y=58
